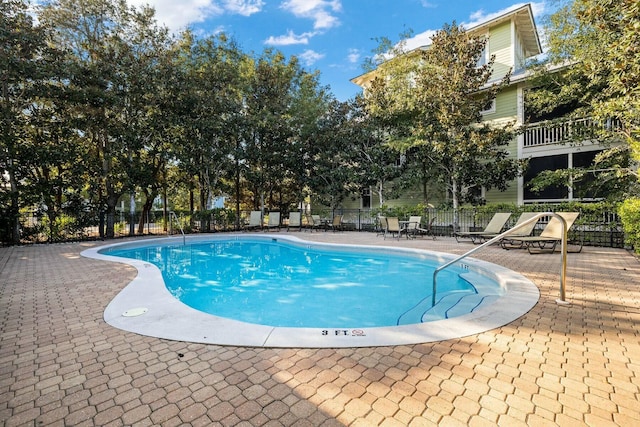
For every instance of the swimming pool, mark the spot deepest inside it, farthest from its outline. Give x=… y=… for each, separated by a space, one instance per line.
x=282 y=292
x=280 y=283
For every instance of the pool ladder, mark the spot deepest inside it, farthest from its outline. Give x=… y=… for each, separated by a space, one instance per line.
x=563 y=251
x=173 y=214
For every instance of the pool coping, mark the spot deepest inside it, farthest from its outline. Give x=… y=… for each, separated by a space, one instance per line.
x=166 y=317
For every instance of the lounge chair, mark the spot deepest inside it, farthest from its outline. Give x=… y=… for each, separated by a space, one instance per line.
x=494 y=227
x=274 y=220
x=393 y=227
x=336 y=224
x=295 y=221
x=521 y=232
x=255 y=220
x=549 y=238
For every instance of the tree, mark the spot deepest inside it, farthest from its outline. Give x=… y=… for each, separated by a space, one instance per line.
x=432 y=99
x=595 y=43
x=112 y=52
x=269 y=132
x=335 y=171
x=377 y=162
x=29 y=83
x=209 y=100
x=309 y=103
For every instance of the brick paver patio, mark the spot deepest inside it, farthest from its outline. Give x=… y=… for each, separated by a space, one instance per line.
x=61 y=364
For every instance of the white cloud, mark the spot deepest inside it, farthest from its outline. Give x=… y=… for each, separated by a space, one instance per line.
x=480 y=16
x=310 y=57
x=428 y=4
x=419 y=40
x=177 y=15
x=353 y=56
x=289 y=39
x=320 y=11
x=243 y=7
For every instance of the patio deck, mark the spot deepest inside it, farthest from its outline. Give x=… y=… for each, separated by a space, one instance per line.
x=61 y=364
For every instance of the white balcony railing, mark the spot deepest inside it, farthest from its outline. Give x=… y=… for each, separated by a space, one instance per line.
x=546 y=133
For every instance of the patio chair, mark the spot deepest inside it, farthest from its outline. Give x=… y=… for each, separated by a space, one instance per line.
x=295 y=221
x=313 y=222
x=412 y=226
x=393 y=227
x=383 y=226
x=274 y=220
x=521 y=232
x=429 y=230
x=336 y=224
x=550 y=236
x=255 y=220
x=494 y=227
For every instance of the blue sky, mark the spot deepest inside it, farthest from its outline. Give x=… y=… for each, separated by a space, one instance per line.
x=332 y=36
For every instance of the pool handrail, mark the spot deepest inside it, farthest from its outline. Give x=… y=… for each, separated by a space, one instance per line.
x=184 y=238
x=563 y=251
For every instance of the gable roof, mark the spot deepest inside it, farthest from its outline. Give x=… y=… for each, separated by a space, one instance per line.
x=525 y=25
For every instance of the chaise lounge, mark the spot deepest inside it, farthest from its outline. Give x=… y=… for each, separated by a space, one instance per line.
x=495 y=226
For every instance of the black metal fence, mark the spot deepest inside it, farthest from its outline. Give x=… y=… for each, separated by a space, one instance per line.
x=593 y=228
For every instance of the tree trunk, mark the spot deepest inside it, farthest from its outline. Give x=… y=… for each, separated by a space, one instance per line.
x=146 y=208
x=454 y=199
x=380 y=190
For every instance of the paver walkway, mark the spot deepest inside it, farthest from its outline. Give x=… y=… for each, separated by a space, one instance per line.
x=61 y=364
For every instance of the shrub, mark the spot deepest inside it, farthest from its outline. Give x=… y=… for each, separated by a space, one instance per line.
x=629 y=212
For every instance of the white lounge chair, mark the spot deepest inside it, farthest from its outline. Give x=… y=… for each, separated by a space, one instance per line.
x=550 y=236
x=494 y=227
x=295 y=221
x=255 y=220
x=274 y=220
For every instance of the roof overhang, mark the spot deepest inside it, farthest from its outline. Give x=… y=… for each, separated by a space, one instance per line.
x=524 y=22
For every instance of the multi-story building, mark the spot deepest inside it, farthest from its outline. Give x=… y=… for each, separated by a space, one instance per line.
x=513 y=39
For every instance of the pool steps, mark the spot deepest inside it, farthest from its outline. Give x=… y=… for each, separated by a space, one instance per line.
x=454 y=304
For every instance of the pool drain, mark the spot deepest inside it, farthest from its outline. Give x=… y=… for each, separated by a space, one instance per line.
x=135 y=312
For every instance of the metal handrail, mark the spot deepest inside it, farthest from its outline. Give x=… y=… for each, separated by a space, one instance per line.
x=184 y=238
x=563 y=250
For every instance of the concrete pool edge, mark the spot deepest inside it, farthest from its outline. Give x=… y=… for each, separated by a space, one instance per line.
x=168 y=318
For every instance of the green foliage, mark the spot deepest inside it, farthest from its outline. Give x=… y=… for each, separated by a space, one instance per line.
x=629 y=212
x=430 y=101
x=593 y=69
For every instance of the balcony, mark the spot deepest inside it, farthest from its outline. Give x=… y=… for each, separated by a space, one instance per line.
x=575 y=130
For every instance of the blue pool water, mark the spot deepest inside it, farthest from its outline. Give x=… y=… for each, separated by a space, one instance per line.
x=276 y=283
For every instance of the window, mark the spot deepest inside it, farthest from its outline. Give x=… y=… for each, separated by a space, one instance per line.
x=539 y=164
x=489 y=108
x=586 y=187
x=366 y=198
x=484 y=56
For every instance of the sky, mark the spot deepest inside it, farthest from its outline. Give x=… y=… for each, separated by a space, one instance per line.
x=331 y=36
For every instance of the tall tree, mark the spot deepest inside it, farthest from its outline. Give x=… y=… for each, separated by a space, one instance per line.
x=595 y=43
x=209 y=99
x=377 y=161
x=442 y=93
x=111 y=47
x=308 y=105
x=334 y=170
x=268 y=107
x=29 y=75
